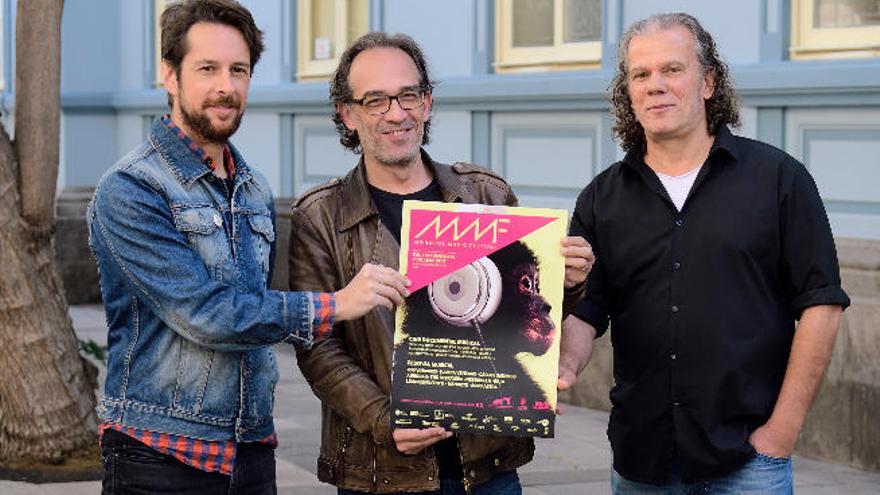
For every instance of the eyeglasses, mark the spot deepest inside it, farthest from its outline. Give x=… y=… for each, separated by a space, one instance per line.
x=380 y=104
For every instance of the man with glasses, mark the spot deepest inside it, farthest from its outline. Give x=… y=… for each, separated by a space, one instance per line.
x=382 y=96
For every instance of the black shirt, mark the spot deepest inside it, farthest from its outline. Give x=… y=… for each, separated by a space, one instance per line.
x=702 y=302
x=390 y=205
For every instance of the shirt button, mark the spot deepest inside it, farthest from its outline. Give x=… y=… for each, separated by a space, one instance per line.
x=674 y=308
x=679 y=222
x=672 y=356
x=430 y=478
x=676 y=265
x=473 y=473
x=676 y=403
x=497 y=462
x=218 y=221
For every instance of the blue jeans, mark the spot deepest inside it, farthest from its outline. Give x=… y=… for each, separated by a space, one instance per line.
x=506 y=483
x=760 y=475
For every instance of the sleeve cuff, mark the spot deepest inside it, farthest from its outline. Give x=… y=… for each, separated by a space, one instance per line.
x=592 y=314
x=833 y=295
x=324 y=304
x=308 y=317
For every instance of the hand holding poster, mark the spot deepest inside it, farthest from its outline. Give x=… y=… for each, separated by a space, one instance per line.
x=476 y=343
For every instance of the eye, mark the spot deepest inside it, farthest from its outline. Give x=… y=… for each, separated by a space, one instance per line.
x=243 y=71
x=375 y=102
x=639 y=75
x=526 y=284
x=408 y=98
x=206 y=68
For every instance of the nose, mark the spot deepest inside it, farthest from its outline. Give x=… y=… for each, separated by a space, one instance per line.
x=656 y=83
x=223 y=82
x=396 y=112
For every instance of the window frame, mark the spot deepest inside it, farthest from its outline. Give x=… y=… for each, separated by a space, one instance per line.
x=559 y=56
x=3 y=55
x=158 y=7
x=321 y=70
x=809 y=43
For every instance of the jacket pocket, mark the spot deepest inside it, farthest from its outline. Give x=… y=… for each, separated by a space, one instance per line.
x=204 y=229
x=262 y=239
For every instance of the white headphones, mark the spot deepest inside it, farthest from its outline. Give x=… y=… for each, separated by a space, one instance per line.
x=468 y=296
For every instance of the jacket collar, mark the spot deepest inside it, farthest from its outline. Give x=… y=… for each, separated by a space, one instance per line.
x=184 y=164
x=359 y=204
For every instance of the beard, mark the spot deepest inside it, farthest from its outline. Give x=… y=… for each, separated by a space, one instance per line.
x=388 y=156
x=199 y=124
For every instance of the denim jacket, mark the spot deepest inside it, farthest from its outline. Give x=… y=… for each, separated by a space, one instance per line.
x=184 y=276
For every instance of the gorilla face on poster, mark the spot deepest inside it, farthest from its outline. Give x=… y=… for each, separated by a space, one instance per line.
x=497 y=302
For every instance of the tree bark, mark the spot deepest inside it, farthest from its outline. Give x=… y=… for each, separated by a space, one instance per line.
x=46 y=399
x=38 y=106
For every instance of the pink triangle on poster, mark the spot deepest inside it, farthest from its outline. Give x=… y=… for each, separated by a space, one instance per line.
x=441 y=242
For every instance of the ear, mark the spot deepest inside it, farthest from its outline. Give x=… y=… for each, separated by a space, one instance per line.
x=708 y=84
x=169 y=79
x=426 y=108
x=345 y=112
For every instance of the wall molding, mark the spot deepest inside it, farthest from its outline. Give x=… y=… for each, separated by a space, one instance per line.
x=782 y=84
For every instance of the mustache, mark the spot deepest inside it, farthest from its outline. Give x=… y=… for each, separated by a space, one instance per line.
x=224 y=101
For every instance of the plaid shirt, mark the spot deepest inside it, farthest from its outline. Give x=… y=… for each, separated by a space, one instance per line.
x=204 y=455
x=228 y=162
x=217 y=456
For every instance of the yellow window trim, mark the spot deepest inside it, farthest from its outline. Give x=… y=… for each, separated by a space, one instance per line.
x=158 y=8
x=560 y=56
x=808 y=42
x=321 y=70
x=2 y=48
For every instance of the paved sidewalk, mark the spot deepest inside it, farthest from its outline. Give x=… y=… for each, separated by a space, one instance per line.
x=576 y=462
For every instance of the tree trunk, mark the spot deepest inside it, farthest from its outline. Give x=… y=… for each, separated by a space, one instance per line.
x=38 y=106
x=47 y=400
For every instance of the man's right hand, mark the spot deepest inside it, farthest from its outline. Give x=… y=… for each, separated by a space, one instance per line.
x=374 y=285
x=411 y=441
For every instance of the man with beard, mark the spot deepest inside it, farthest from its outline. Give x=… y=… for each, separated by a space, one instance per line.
x=382 y=99
x=183 y=231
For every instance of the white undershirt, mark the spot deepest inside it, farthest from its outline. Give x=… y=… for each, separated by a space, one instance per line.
x=679 y=186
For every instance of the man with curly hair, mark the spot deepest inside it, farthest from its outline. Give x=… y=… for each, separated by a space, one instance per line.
x=709 y=247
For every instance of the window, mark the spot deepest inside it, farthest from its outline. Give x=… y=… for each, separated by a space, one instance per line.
x=158 y=8
x=326 y=28
x=835 y=29
x=547 y=34
x=3 y=84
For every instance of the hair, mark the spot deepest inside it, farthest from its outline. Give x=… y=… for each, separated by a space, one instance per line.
x=721 y=108
x=179 y=17
x=340 y=91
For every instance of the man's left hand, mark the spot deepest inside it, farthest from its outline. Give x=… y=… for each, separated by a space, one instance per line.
x=579 y=260
x=773 y=442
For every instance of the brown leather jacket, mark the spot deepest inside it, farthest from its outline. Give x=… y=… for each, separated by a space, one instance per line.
x=335 y=229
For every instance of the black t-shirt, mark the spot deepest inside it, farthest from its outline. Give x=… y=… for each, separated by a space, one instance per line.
x=390 y=205
x=390 y=208
x=702 y=301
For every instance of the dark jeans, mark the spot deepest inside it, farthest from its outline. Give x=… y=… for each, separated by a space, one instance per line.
x=506 y=483
x=132 y=468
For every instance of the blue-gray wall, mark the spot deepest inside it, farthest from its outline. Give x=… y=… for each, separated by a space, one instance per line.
x=547 y=133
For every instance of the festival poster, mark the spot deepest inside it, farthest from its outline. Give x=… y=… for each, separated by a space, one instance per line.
x=476 y=345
